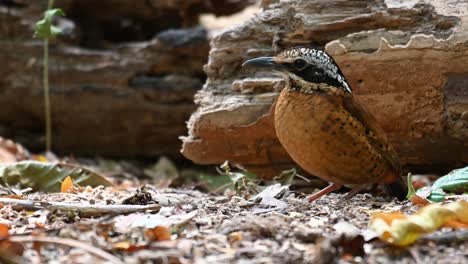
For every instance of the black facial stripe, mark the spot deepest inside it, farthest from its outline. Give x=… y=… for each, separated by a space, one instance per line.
x=316 y=75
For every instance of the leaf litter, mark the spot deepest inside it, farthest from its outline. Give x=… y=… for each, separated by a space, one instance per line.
x=249 y=224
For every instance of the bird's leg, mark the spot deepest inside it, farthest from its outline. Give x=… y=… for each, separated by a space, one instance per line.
x=330 y=188
x=355 y=190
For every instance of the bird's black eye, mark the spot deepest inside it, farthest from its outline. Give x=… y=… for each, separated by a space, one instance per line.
x=300 y=64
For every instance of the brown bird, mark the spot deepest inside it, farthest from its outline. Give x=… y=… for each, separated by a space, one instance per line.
x=325 y=129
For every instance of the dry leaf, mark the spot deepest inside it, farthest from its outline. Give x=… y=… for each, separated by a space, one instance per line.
x=47 y=177
x=67 y=185
x=13 y=196
x=417 y=200
x=235 y=237
x=4 y=231
x=126 y=223
x=11 y=151
x=9 y=249
x=127 y=246
x=159 y=233
x=402 y=230
x=122 y=245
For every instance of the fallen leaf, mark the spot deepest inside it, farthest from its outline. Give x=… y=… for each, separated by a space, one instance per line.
x=4 y=231
x=127 y=246
x=402 y=230
x=159 y=233
x=273 y=191
x=268 y=198
x=455 y=181
x=13 y=196
x=417 y=200
x=286 y=177
x=389 y=217
x=346 y=229
x=67 y=185
x=126 y=223
x=10 y=250
x=245 y=183
x=235 y=237
x=11 y=151
x=456 y=224
x=47 y=177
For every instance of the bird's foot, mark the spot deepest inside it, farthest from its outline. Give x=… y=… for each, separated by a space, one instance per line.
x=355 y=190
x=330 y=188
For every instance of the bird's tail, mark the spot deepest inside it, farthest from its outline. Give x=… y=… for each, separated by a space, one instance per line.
x=397 y=189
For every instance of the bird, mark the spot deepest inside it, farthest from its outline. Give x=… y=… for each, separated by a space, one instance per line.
x=327 y=130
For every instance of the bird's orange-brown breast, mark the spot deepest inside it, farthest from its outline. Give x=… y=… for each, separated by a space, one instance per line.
x=324 y=138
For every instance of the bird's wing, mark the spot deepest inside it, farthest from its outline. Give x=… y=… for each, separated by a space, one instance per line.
x=377 y=136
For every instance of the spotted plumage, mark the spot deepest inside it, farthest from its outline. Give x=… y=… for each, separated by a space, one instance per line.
x=325 y=129
x=321 y=66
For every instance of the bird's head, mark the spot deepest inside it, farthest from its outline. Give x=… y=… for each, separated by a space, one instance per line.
x=307 y=69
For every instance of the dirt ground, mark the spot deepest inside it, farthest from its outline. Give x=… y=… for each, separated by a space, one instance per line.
x=226 y=228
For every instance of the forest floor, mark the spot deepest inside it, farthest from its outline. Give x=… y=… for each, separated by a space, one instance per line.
x=189 y=226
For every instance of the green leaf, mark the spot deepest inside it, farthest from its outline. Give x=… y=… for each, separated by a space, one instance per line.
x=456 y=180
x=286 y=177
x=47 y=177
x=437 y=195
x=44 y=27
x=215 y=182
x=245 y=183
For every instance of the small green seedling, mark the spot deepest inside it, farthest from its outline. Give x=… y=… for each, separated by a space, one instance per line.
x=46 y=31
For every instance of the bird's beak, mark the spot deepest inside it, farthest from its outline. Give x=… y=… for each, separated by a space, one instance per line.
x=262 y=62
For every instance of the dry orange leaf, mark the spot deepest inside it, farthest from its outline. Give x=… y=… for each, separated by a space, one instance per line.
x=389 y=217
x=10 y=249
x=67 y=185
x=4 y=231
x=127 y=246
x=417 y=200
x=13 y=196
x=404 y=230
x=456 y=224
x=159 y=233
x=235 y=237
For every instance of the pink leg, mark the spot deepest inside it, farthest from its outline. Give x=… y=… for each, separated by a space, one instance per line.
x=330 y=188
x=355 y=190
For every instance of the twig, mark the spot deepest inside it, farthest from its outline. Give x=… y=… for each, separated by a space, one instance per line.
x=414 y=253
x=68 y=242
x=302 y=177
x=83 y=209
x=447 y=238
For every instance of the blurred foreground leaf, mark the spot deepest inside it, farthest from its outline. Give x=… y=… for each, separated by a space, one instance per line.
x=402 y=230
x=47 y=177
